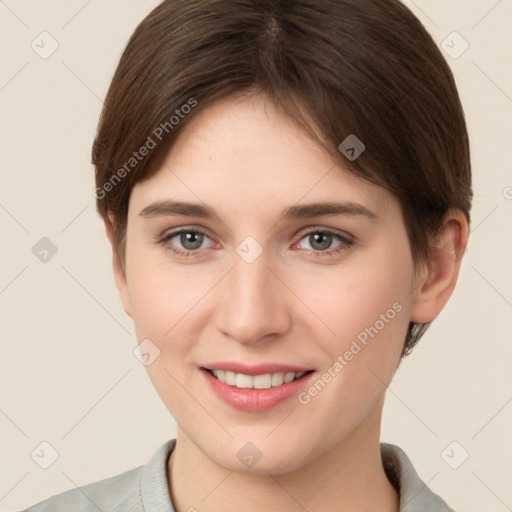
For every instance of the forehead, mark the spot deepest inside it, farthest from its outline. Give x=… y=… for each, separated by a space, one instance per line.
x=244 y=151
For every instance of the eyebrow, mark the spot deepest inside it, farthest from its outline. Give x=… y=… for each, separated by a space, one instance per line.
x=305 y=211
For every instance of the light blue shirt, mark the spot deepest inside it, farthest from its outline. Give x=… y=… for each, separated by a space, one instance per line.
x=145 y=489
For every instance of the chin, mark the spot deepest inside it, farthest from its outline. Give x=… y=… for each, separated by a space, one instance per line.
x=258 y=456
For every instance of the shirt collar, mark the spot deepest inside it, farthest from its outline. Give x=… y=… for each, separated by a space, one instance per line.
x=415 y=496
x=154 y=486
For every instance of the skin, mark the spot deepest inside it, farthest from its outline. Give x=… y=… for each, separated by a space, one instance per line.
x=293 y=305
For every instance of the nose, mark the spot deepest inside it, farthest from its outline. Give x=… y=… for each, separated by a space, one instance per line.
x=253 y=303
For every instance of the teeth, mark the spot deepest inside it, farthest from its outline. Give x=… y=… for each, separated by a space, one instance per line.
x=265 y=381
x=229 y=379
x=243 y=381
x=277 y=379
x=262 y=381
x=288 y=377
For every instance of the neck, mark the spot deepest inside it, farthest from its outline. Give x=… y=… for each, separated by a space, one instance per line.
x=349 y=477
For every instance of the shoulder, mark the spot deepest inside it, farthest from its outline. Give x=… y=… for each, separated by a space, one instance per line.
x=139 y=489
x=120 y=492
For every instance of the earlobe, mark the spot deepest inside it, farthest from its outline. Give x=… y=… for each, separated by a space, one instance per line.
x=119 y=273
x=437 y=280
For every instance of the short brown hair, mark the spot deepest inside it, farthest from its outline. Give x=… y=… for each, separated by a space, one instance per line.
x=336 y=67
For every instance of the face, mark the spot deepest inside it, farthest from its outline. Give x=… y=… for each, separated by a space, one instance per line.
x=239 y=282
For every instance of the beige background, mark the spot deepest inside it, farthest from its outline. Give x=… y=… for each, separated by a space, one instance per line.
x=68 y=374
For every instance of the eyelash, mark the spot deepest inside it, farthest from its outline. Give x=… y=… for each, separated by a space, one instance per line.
x=344 y=245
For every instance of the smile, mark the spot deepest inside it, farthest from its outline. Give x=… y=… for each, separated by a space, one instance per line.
x=255 y=388
x=264 y=381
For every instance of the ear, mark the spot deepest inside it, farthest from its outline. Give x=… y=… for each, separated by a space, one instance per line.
x=437 y=280
x=119 y=273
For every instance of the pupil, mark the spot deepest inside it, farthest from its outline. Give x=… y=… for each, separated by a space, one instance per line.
x=192 y=238
x=316 y=238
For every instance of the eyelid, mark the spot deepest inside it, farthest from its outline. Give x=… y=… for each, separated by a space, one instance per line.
x=172 y=232
x=305 y=231
x=323 y=229
x=342 y=236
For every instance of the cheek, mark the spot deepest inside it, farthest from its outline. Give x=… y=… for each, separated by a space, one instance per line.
x=368 y=293
x=160 y=294
x=367 y=307
x=171 y=305
x=163 y=303
x=370 y=317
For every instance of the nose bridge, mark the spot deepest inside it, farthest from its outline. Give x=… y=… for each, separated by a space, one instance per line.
x=252 y=306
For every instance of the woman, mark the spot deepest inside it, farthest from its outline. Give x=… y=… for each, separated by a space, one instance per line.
x=286 y=186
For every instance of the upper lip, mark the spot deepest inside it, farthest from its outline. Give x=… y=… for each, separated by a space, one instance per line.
x=257 y=369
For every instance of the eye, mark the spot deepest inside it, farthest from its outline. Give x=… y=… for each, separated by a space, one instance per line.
x=187 y=242
x=183 y=242
x=321 y=241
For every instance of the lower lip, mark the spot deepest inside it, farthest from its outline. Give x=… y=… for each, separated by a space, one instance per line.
x=255 y=400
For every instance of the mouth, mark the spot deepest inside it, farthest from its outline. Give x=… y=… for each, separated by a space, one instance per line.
x=255 y=388
x=262 y=381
